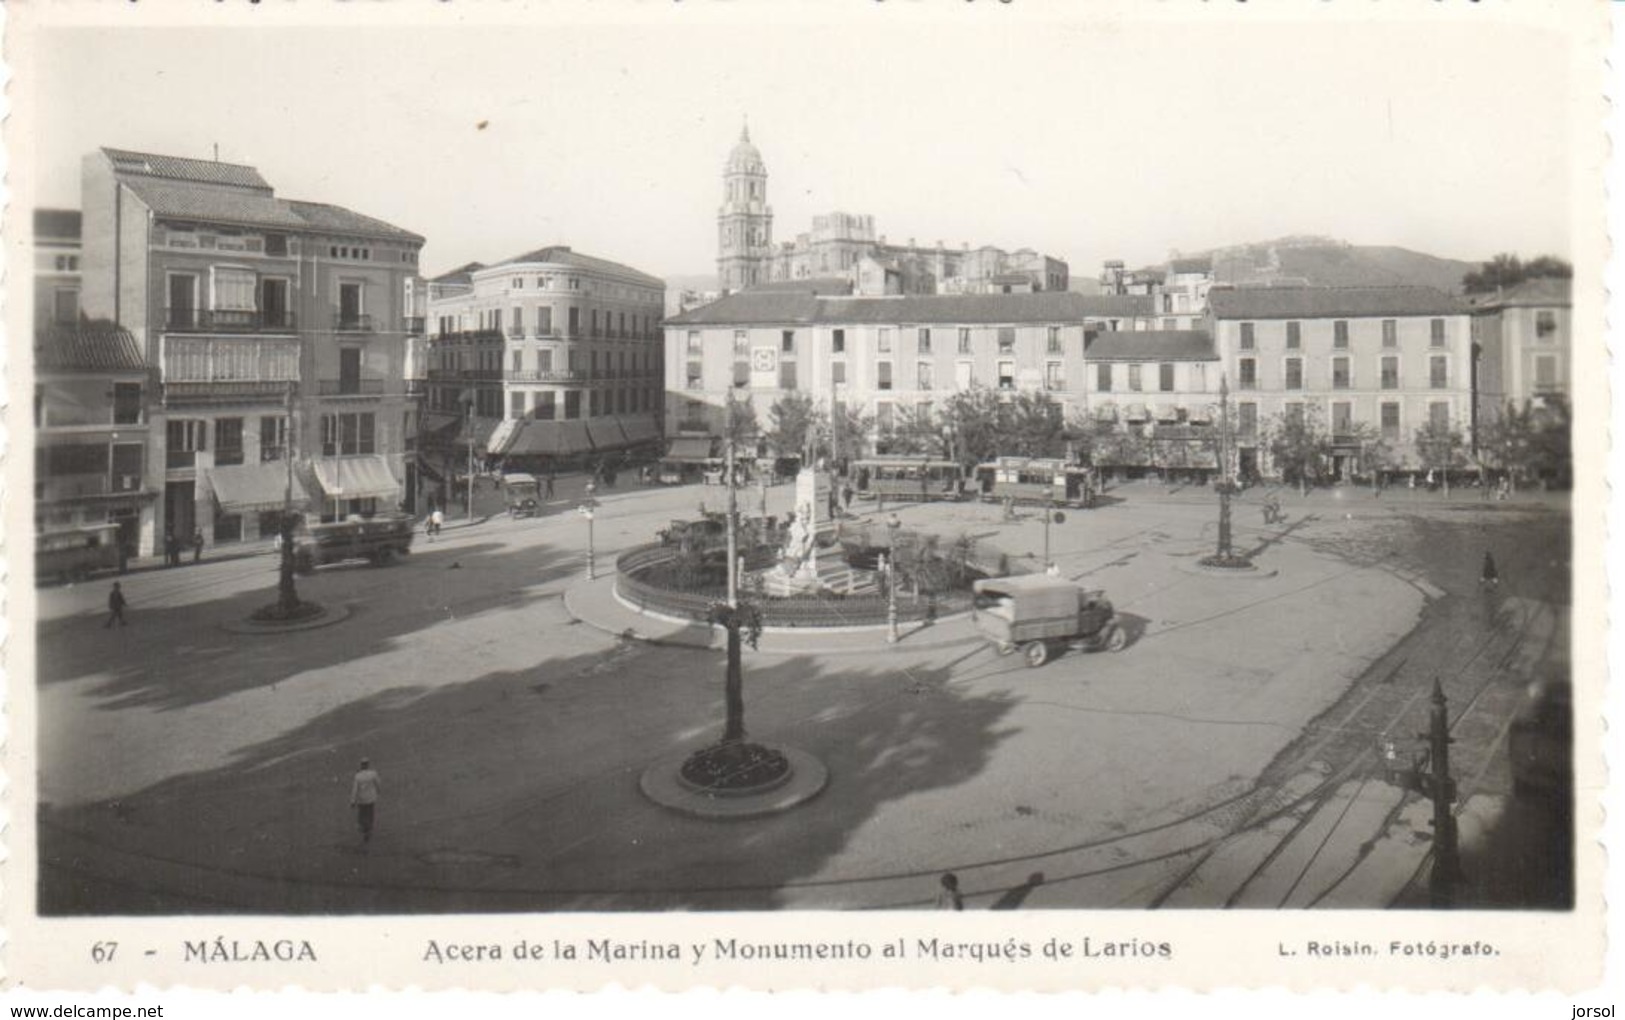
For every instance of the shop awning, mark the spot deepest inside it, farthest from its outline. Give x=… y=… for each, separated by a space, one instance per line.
x=606 y=433
x=547 y=439
x=246 y=488
x=357 y=478
x=640 y=428
x=690 y=450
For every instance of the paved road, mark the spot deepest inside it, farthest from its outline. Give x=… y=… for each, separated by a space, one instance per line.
x=183 y=768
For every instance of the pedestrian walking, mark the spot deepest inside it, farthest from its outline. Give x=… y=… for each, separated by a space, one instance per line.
x=115 y=607
x=846 y=497
x=364 y=790
x=550 y=479
x=1488 y=576
x=197 y=545
x=437 y=519
x=172 y=548
x=948 y=897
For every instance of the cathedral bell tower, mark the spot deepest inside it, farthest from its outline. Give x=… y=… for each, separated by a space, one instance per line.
x=745 y=222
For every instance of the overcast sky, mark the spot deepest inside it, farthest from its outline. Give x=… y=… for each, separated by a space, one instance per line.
x=1112 y=140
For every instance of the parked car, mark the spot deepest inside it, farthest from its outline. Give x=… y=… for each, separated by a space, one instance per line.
x=1540 y=742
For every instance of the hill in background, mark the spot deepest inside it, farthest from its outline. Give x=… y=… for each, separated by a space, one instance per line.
x=1326 y=262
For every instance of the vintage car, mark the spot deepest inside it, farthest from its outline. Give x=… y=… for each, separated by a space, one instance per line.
x=375 y=539
x=522 y=493
x=1042 y=615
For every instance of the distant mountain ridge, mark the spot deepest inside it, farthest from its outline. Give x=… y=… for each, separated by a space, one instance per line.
x=1328 y=262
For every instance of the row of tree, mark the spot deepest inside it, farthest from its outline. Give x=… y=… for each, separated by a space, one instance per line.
x=975 y=425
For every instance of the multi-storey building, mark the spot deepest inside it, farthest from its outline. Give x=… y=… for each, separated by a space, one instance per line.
x=57 y=251
x=1154 y=399
x=549 y=354
x=277 y=329
x=842 y=244
x=93 y=430
x=876 y=354
x=1390 y=358
x=1524 y=340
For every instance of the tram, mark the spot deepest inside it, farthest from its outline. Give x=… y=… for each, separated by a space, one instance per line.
x=1036 y=480
x=901 y=477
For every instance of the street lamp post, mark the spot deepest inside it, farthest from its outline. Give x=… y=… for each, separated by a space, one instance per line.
x=585 y=509
x=1225 y=550
x=890 y=570
x=470 y=422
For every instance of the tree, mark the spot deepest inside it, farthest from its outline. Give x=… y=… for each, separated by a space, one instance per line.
x=916 y=429
x=1506 y=270
x=1083 y=433
x=848 y=428
x=1439 y=446
x=1299 y=443
x=1030 y=425
x=796 y=426
x=740 y=426
x=971 y=421
x=1553 y=439
x=1509 y=441
x=743 y=623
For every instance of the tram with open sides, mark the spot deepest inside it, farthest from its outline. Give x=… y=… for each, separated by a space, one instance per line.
x=1036 y=480
x=900 y=478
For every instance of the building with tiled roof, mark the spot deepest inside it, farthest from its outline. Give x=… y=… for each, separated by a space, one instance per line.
x=556 y=352
x=1525 y=340
x=1373 y=366
x=274 y=329
x=839 y=244
x=94 y=431
x=57 y=277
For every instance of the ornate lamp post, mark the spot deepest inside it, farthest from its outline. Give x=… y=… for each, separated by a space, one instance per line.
x=585 y=508
x=890 y=570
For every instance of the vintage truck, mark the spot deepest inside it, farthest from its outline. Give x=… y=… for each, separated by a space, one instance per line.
x=376 y=539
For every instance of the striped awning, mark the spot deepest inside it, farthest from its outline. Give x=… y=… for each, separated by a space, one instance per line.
x=248 y=488
x=547 y=438
x=640 y=428
x=690 y=449
x=357 y=478
x=606 y=433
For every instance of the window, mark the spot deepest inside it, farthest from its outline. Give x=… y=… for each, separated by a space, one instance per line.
x=546 y=406
x=1293 y=412
x=186 y=435
x=126 y=403
x=964 y=375
x=883 y=375
x=837 y=373
x=1294 y=336
x=518 y=321
x=1340 y=373
x=593 y=406
x=1390 y=420
x=1247 y=341
x=1435 y=332
x=923 y=377
x=883 y=415
x=1545 y=323
x=620 y=324
x=1007 y=375
x=572 y=404
x=544 y=360
x=182 y=300
x=1103 y=377
x=787 y=341
x=885 y=341
x=276 y=244
x=1134 y=378
x=273 y=437
x=519 y=283
x=1342 y=418
x=1054 y=379
x=1165 y=377
x=964 y=340
x=1390 y=372
x=1007 y=339
x=233 y=289
x=350 y=305
x=1054 y=343
x=694 y=375
x=1247 y=420
x=693 y=340
x=516 y=404
x=1294 y=373
x=518 y=361
x=787 y=375
x=1390 y=333
x=228 y=441
x=1438 y=372
x=741 y=374
x=575 y=326
x=1340 y=335
x=128 y=459
x=347 y=434
x=1439 y=415
x=923 y=339
x=838 y=341
x=1196 y=377
x=349 y=370
x=65 y=305
x=1247 y=374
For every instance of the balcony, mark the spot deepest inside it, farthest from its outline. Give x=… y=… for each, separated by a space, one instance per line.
x=553 y=376
x=174 y=458
x=349 y=387
x=352 y=322
x=227 y=320
x=465 y=375
x=211 y=367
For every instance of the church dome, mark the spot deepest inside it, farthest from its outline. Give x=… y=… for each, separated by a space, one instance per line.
x=745 y=157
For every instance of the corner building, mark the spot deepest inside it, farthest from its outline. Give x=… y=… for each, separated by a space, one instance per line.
x=277 y=330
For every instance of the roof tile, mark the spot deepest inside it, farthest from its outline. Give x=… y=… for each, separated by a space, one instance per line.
x=1329 y=302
